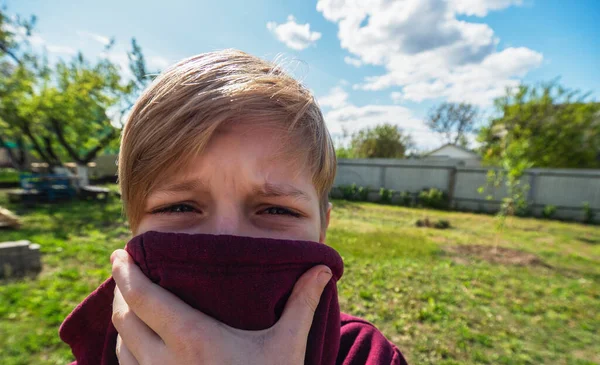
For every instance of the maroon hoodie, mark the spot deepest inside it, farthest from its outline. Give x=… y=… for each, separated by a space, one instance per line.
x=241 y=281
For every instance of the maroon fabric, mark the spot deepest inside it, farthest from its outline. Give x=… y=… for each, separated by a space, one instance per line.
x=241 y=281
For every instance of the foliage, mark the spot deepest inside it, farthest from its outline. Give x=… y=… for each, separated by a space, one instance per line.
x=385 y=195
x=588 y=213
x=68 y=111
x=382 y=141
x=550 y=125
x=436 y=311
x=549 y=211
x=344 y=152
x=440 y=224
x=363 y=194
x=433 y=198
x=349 y=192
x=8 y=175
x=453 y=121
x=406 y=199
x=354 y=192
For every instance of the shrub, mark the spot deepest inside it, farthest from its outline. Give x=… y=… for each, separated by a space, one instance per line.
x=433 y=198
x=8 y=175
x=385 y=195
x=349 y=192
x=363 y=194
x=406 y=199
x=549 y=211
x=588 y=213
x=441 y=224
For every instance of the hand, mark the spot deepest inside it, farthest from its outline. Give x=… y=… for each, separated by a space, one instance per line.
x=156 y=327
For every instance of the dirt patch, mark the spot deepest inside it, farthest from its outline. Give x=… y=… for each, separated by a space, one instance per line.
x=496 y=255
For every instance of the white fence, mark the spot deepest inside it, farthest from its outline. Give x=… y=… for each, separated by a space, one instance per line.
x=566 y=189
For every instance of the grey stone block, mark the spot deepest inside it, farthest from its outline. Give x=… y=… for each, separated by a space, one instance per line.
x=19 y=258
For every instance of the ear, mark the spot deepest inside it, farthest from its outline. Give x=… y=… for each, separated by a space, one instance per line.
x=323 y=234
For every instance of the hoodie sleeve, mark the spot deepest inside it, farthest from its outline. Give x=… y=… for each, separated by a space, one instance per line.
x=362 y=344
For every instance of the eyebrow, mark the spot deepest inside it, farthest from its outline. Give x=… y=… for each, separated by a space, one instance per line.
x=267 y=190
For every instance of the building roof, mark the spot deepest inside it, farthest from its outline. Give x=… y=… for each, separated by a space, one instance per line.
x=475 y=155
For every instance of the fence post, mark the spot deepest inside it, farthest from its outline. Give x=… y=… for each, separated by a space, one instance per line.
x=382 y=177
x=451 y=185
x=531 y=193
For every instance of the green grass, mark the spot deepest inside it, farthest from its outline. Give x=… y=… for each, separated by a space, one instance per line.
x=8 y=175
x=436 y=310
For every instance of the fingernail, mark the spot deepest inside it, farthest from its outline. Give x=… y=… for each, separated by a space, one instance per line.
x=324 y=277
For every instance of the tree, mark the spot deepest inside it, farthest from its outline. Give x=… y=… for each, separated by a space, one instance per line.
x=68 y=112
x=382 y=141
x=453 y=122
x=544 y=126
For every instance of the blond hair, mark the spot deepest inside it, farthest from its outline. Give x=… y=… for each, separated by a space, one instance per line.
x=177 y=114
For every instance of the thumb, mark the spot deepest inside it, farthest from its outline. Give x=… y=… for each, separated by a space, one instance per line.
x=300 y=308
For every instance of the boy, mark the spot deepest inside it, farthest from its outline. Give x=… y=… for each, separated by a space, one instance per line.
x=227 y=149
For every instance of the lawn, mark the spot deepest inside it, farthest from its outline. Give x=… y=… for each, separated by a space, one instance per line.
x=438 y=307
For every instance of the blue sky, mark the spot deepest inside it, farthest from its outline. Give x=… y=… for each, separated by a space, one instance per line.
x=367 y=61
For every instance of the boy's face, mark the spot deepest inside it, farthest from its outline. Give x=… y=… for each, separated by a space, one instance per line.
x=240 y=185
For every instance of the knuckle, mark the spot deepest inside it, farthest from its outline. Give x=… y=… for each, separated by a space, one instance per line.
x=119 y=318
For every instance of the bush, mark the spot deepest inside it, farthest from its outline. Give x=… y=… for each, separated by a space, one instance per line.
x=385 y=195
x=363 y=194
x=354 y=192
x=349 y=192
x=549 y=211
x=405 y=199
x=588 y=213
x=433 y=198
x=441 y=224
x=8 y=175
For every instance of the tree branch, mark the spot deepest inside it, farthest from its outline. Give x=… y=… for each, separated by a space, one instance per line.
x=10 y=53
x=101 y=144
x=61 y=138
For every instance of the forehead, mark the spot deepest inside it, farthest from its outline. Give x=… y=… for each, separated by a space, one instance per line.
x=247 y=153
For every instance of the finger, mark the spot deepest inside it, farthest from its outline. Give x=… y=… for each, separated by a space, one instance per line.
x=301 y=306
x=158 y=308
x=139 y=338
x=124 y=355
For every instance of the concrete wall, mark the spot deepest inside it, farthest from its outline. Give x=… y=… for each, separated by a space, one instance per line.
x=567 y=189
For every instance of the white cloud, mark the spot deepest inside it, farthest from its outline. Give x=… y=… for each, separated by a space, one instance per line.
x=426 y=50
x=336 y=98
x=353 y=61
x=66 y=50
x=37 y=41
x=397 y=96
x=104 y=40
x=347 y=117
x=294 y=35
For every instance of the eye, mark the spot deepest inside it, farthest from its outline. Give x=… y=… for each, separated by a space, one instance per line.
x=280 y=211
x=176 y=208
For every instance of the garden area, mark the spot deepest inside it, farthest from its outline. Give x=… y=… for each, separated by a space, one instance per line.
x=476 y=292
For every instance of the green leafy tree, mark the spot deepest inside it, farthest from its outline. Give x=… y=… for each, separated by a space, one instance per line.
x=382 y=141
x=71 y=111
x=453 y=122
x=549 y=126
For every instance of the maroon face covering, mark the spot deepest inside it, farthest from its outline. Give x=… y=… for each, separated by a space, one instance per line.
x=241 y=281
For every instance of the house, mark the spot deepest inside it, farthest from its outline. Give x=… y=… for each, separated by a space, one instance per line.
x=454 y=153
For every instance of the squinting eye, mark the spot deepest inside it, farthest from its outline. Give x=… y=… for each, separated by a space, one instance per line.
x=281 y=211
x=177 y=208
